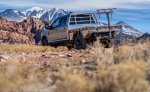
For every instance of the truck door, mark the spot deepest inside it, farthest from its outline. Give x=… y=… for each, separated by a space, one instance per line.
x=51 y=32
x=59 y=32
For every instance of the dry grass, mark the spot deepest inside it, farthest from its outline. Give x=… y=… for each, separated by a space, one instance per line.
x=16 y=77
x=139 y=52
x=123 y=70
x=28 y=48
x=74 y=82
x=124 y=77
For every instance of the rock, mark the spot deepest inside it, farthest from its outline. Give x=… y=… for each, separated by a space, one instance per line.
x=19 y=32
x=69 y=55
x=83 y=61
x=3 y=58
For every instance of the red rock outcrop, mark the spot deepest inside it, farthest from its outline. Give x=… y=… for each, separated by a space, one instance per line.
x=19 y=32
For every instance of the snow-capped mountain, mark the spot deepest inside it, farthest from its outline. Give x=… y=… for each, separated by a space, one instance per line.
x=37 y=12
x=52 y=14
x=12 y=15
x=129 y=30
x=127 y=34
x=47 y=14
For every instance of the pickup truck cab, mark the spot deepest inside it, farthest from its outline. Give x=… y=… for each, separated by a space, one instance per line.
x=75 y=29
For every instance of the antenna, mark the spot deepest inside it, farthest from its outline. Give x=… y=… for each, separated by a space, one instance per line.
x=108 y=12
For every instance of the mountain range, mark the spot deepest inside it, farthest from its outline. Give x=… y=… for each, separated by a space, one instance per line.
x=37 y=12
x=126 y=31
x=12 y=15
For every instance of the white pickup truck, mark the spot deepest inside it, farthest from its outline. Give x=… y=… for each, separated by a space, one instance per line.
x=75 y=29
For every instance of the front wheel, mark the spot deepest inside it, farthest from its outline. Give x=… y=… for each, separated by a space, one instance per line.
x=79 y=42
x=44 y=42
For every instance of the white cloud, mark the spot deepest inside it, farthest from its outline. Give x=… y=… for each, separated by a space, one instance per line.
x=77 y=4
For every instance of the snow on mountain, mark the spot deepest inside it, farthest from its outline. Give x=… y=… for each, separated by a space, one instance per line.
x=12 y=15
x=129 y=30
x=37 y=12
x=47 y=14
x=35 y=8
x=54 y=13
x=126 y=29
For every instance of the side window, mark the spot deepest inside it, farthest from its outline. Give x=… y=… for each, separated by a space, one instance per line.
x=72 y=20
x=82 y=19
x=60 y=22
x=93 y=19
x=56 y=23
x=63 y=21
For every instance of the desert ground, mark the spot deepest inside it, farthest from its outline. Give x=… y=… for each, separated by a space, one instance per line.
x=29 y=68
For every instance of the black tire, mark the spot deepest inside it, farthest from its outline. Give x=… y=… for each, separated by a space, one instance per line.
x=79 y=42
x=69 y=47
x=106 y=43
x=44 y=42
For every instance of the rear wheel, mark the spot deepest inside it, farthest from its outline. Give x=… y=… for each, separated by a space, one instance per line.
x=79 y=42
x=106 y=43
x=44 y=42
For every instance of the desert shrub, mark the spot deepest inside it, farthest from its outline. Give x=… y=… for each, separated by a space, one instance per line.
x=140 y=52
x=124 y=77
x=124 y=70
x=11 y=76
x=103 y=55
x=16 y=77
x=70 y=82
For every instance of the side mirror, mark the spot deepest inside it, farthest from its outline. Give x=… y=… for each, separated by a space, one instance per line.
x=48 y=27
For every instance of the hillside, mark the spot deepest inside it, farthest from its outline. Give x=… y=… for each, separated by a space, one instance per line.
x=28 y=68
x=19 y=32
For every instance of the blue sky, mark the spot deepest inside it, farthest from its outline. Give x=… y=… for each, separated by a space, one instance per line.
x=134 y=12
